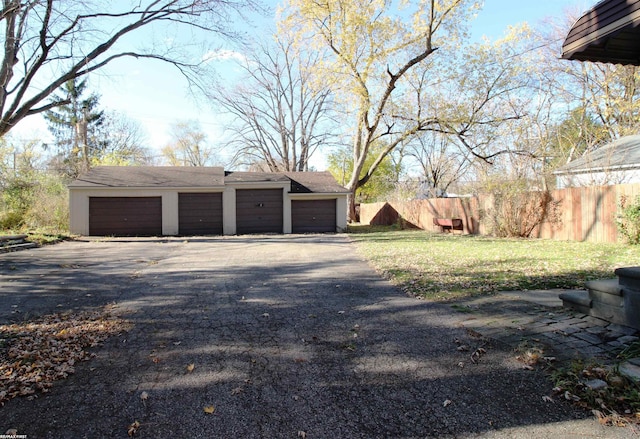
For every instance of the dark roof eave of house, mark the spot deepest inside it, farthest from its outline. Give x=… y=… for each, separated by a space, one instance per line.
x=608 y=32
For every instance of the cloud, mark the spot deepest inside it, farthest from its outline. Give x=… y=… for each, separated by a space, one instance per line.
x=223 y=55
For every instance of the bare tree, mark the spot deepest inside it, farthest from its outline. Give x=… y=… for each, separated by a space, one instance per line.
x=49 y=42
x=442 y=162
x=279 y=110
x=124 y=142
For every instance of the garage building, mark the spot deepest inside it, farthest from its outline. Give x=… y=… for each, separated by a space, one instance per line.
x=187 y=201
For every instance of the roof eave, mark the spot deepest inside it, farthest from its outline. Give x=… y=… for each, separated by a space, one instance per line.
x=308 y=194
x=179 y=188
x=595 y=46
x=598 y=169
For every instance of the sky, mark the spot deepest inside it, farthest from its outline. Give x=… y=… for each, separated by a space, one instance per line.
x=157 y=96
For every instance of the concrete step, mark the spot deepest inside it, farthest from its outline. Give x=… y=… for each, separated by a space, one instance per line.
x=606 y=291
x=629 y=277
x=607 y=286
x=577 y=300
x=611 y=313
x=18 y=246
x=5 y=238
x=606 y=298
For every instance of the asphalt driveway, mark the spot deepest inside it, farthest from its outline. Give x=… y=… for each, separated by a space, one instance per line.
x=289 y=337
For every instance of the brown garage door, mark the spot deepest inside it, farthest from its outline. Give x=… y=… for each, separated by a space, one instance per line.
x=125 y=216
x=258 y=211
x=200 y=214
x=313 y=216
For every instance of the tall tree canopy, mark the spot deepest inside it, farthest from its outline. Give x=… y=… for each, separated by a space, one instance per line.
x=49 y=42
x=375 y=45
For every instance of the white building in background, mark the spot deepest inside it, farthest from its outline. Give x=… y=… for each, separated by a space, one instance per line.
x=615 y=163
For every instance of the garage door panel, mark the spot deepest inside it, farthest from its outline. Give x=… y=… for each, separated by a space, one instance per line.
x=313 y=216
x=258 y=211
x=200 y=213
x=125 y=216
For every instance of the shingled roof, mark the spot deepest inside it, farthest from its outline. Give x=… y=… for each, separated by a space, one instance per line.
x=322 y=182
x=151 y=177
x=301 y=182
x=253 y=177
x=200 y=177
x=623 y=153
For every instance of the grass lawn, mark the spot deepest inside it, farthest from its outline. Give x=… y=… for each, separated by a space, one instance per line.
x=443 y=267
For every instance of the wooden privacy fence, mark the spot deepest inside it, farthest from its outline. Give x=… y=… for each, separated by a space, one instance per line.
x=582 y=214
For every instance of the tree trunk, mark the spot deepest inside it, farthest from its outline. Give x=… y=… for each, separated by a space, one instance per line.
x=352 y=214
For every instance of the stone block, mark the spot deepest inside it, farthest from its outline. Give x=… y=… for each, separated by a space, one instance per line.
x=609 y=314
x=596 y=384
x=606 y=298
x=629 y=277
x=626 y=330
x=628 y=339
x=630 y=370
x=631 y=308
x=574 y=343
x=577 y=300
x=605 y=286
x=593 y=352
x=591 y=338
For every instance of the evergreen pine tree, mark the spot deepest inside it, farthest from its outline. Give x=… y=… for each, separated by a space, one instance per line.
x=66 y=124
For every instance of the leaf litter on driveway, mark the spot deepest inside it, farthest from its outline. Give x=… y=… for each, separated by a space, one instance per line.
x=36 y=353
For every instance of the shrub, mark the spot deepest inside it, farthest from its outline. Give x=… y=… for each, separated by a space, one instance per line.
x=628 y=219
x=11 y=220
x=41 y=203
x=517 y=211
x=49 y=209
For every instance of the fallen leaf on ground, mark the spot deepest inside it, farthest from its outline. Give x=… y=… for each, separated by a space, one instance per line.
x=570 y=396
x=446 y=402
x=133 y=428
x=477 y=354
x=209 y=409
x=546 y=398
x=144 y=396
x=40 y=351
x=190 y=367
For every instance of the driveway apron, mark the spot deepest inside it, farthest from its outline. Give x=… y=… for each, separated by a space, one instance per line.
x=277 y=336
